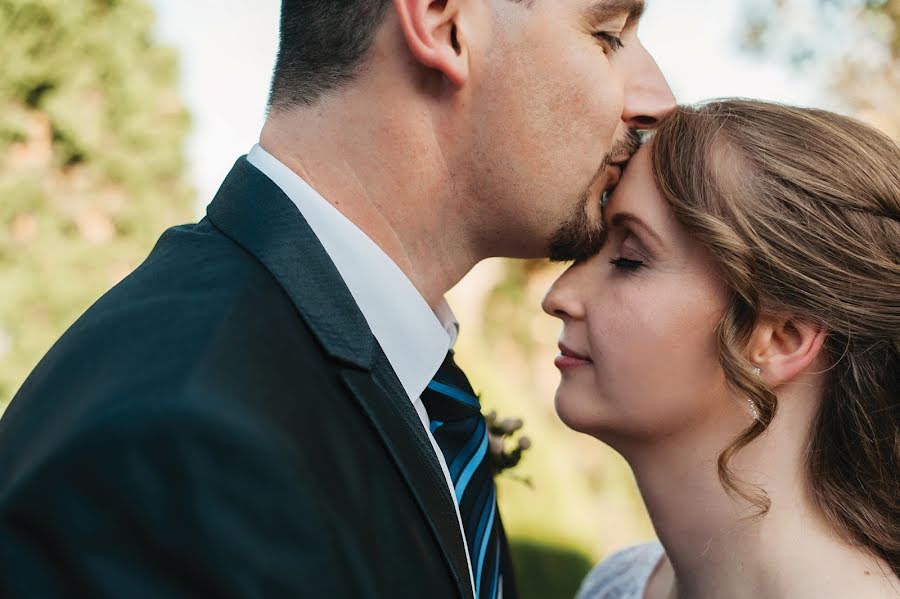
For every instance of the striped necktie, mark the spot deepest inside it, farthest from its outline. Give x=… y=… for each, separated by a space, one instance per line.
x=461 y=433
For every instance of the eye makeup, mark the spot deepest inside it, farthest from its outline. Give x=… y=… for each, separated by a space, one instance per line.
x=638 y=228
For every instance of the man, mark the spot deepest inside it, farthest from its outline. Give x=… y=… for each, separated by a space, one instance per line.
x=268 y=406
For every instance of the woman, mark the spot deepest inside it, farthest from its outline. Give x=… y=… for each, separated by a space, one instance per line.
x=737 y=340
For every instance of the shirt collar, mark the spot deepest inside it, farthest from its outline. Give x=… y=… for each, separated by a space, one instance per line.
x=415 y=339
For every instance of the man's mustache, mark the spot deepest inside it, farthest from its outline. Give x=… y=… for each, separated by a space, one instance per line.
x=626 y=146
x=622 y=149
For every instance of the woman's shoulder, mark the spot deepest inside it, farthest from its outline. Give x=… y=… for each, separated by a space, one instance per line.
x=624 y=574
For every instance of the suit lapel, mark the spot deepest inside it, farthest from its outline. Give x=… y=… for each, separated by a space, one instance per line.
x=254 y=212
x=405 y=437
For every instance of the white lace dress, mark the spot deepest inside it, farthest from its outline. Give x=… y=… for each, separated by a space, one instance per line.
x=623 y=575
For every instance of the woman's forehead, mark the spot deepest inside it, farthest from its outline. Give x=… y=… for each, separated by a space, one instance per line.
x=636 y=192
x=638 y=197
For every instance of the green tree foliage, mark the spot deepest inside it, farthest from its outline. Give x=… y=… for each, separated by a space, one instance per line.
x=855 y=44
x=91 y=162
x=546 y=571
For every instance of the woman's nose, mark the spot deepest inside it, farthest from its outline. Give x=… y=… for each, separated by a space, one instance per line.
x=562 y=299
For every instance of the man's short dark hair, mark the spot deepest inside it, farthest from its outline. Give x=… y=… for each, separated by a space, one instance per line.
x=323 y=44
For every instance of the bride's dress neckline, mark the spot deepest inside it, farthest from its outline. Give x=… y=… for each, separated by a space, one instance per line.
x=624 y=574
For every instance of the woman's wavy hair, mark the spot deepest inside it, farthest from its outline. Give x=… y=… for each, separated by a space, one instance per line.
x=801 y=211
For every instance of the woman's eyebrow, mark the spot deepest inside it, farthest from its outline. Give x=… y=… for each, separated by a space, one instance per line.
x=620 y=219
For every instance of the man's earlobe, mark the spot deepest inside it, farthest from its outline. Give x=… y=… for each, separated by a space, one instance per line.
x=431 y=29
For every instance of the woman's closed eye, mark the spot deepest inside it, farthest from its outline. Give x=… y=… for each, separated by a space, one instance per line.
x=631 y=254
x=626 y=263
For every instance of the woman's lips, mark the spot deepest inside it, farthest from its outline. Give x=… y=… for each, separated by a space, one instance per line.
x=567 y=363
x=568 y=359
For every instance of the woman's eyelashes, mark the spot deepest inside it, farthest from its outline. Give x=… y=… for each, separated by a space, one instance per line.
x=630 y=257
x=626 y=263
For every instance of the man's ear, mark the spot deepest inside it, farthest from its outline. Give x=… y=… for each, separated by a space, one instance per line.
x=784 y=348
x=432 y=32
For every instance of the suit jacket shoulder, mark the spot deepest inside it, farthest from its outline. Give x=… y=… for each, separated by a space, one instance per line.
x=224 y=418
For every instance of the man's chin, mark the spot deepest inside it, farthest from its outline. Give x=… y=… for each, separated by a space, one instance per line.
x=577 y=239
x=583 y=234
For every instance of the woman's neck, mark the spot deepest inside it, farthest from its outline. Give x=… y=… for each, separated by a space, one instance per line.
x=717 y=548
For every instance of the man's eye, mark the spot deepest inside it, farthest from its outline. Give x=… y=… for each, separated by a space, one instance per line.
x=613 y=42
x=626 y=264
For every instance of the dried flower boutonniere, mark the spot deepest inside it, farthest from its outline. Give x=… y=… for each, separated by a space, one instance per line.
x=506 y=449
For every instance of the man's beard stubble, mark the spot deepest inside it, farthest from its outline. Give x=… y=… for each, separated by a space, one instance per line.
x=579 y=237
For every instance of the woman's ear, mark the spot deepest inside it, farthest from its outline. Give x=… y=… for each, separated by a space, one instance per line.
x=433 y=34
x=784 y=348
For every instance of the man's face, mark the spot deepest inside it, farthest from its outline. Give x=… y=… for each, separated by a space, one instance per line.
x=555 y=100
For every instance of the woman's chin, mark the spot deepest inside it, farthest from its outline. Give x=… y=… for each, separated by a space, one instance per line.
x=582 y=414
x=606 y=421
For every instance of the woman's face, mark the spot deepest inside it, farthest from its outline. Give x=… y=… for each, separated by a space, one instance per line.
x=639 y=357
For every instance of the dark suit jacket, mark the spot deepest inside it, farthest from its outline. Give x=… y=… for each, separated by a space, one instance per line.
x=223 y=424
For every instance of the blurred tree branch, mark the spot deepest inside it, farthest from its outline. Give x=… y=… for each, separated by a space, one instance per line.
x=852 y=45
x=91 y=162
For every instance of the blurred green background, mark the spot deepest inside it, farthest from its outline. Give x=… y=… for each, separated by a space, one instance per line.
x=93 y=127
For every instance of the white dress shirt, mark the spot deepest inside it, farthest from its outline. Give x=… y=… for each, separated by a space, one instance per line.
x=415 y=339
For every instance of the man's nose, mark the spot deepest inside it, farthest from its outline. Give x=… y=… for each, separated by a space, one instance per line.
x=648 y=97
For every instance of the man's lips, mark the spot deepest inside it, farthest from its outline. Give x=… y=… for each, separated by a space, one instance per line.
x=617 y=166
x=568 y=359
x=613 y=173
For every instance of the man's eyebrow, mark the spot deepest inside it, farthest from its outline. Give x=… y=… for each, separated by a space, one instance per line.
x=602 y=10
x=623 y=218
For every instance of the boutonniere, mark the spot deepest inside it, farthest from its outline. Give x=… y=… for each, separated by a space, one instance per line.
x=507 y=444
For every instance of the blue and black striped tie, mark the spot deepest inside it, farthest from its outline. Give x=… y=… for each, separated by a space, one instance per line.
x=461 y=432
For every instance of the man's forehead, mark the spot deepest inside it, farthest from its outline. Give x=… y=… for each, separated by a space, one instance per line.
x=601 y=10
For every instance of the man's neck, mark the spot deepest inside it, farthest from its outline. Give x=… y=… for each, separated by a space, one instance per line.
x=714 y=545
x=384 y=173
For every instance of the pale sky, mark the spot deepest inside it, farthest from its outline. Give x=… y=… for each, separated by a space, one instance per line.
x=227 y=50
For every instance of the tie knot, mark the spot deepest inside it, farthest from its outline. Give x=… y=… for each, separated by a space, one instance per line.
x=451 y=374
x=449 y=396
